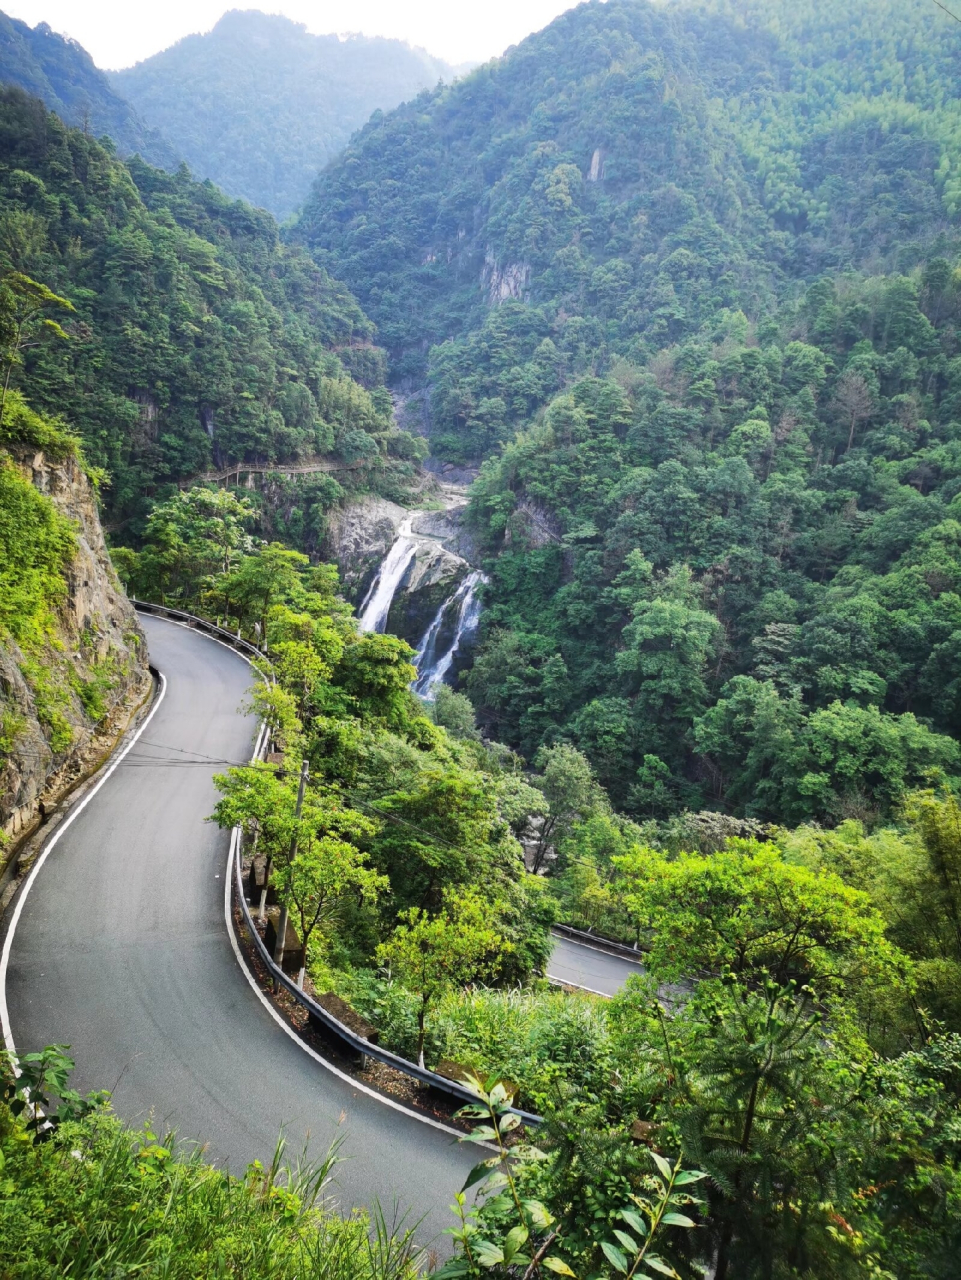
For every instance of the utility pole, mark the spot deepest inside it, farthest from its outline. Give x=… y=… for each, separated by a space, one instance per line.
x=284 y=912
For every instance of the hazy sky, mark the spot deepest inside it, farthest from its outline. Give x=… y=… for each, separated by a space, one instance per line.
x=120 y=32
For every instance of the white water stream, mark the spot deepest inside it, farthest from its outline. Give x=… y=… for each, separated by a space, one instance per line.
x=432 y=666
x=376 y=606
x=460 y=611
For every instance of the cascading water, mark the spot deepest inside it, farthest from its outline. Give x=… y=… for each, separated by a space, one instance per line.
x=455 y=621
x=465 y=606
x=376 y=606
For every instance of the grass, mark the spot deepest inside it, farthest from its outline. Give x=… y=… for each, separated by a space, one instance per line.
x=98 y=1200
x=539 y=1038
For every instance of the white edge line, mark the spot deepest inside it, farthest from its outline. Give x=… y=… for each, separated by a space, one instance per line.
x=238 y=955
x=228 y=920
x=47 y=850
x=563 y=982
x=289 y=1031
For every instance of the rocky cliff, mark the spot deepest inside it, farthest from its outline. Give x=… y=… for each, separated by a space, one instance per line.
x=360 y=535
x=69 y=692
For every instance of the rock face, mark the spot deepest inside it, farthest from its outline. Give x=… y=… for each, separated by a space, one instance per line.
x=444 y=553
x=358 y=537
x=62 y=707
x=433 y=576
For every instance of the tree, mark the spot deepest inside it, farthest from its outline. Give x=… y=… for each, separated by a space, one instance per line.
x=428 y=954
x=746 y=911
x=668 y=644
x=376 y=671
x=853 y=400
x=455 y=713
x=571 y=792
x=441 y=831
x=327 y=872
x=752 y=1088
x=264 y=578
x=23 y=302
x=192 y=543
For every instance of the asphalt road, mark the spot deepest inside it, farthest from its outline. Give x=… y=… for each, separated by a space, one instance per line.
x=122 y=952
x=585 y=966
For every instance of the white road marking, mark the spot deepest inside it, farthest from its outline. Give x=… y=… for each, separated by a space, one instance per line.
x=35 y=869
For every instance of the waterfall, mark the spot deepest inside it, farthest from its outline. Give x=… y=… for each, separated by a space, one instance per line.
x=455 y=621
x=466 y=607
x=376 y=606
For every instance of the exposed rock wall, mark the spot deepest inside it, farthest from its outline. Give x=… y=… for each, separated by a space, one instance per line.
x=64 y=705
x=434 y=574
x=360 y=535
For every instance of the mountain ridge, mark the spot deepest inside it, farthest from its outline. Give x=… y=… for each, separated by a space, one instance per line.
x=230 y=98
x=59 y=71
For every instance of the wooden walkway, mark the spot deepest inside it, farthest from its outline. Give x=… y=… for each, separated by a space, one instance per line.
x=238 y=469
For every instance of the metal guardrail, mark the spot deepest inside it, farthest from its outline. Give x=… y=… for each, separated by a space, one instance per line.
x=601 y=943
x=242 y=646
x=343 y=1032
x=235 y=872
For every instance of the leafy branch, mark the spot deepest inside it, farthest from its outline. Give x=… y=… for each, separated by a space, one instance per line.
x=534 y=1233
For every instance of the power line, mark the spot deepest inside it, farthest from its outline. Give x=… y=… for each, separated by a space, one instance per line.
x=947 y=11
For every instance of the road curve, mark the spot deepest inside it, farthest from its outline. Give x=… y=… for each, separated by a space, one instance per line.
x=585 y=966
x=122 y=952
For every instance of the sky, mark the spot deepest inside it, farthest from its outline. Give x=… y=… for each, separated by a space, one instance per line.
x=118 y=33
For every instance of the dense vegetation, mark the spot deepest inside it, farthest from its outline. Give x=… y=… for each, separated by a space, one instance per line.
x=730 y=575
x=84 y=1193
x=195 y=337
x=690 y=274
x=62 y=73
x=628 y=172
x=650 y=241
x=827 y=962
x=259 y=106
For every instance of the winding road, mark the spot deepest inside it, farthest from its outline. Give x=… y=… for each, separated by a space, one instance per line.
x=121 y=950
x=581 y=965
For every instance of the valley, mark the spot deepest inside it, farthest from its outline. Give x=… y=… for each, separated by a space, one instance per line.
x=573 y=445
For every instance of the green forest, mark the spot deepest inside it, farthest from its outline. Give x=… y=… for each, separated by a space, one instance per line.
x=808 y=1078
x=681 y=284
x=713 y=379
x=59 y=71
x=258 y=104
x=194 y=338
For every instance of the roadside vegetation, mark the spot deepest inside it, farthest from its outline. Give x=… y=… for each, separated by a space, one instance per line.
x=800 y=986
x=82 y=1196
x=712 y=377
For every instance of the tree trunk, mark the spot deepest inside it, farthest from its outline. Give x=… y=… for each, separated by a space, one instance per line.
x=420 y=1034
x=262 y=913
x=281 y=936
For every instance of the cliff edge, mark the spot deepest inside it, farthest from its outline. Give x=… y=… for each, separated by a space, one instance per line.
x=73 y=662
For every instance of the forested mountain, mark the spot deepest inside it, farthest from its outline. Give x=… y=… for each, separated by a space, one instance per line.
x=259 y=105
x=685 y=281
x=632 y=169
x=703 y=258
x=193 y=336
x=62 y=73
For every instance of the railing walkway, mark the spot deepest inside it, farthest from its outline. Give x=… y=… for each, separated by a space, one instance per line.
x=239 y=469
